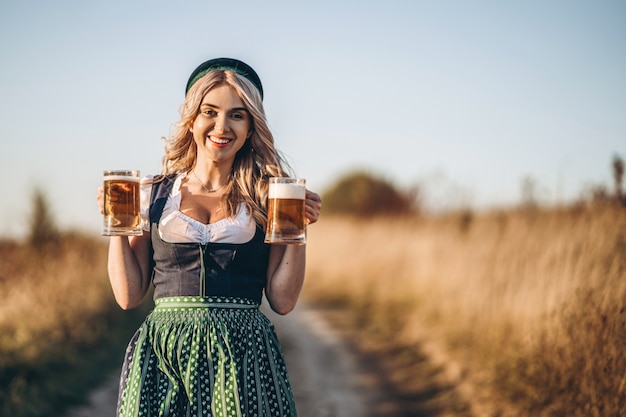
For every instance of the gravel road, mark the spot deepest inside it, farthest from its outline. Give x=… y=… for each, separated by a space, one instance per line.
x=326 y=377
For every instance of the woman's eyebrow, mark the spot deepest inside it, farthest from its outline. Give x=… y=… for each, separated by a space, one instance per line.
x=217 y=107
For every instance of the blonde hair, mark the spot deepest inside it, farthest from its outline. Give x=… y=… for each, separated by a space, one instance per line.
x=255 y=162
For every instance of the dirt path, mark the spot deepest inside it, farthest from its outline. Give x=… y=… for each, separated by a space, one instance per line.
x=326 y=377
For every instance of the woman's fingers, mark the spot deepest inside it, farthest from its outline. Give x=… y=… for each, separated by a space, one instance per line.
x=100 y=198
x=313 y=206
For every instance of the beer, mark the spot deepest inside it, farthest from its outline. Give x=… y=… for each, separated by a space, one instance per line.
x=121 y=203
x=286 y=221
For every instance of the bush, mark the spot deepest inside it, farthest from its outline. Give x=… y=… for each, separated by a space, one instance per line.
x=362 y=194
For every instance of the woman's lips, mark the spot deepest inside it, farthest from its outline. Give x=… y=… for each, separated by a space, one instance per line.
x=219 y=141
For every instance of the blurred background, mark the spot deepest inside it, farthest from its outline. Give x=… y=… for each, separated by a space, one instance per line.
x=466 y=99
x=470 y=156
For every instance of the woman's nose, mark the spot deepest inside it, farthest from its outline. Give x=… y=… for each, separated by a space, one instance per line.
x=221 y=124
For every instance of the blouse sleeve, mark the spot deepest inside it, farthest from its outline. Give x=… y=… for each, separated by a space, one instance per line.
x=145 y=192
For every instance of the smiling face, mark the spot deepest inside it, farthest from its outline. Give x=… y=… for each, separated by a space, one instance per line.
x=221 y=127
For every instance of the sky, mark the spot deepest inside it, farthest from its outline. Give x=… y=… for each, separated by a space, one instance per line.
x=464 y=99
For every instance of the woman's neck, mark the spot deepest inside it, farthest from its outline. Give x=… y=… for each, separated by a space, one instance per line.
x=211 y=176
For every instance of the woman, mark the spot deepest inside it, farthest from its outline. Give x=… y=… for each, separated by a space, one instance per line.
x=206 y=349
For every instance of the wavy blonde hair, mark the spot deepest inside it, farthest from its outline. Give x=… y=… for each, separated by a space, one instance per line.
x=255 y=162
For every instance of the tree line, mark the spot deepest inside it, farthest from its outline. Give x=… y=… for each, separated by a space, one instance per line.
x=361 y=193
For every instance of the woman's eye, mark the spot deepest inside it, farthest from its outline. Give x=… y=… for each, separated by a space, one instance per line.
x=238 y=116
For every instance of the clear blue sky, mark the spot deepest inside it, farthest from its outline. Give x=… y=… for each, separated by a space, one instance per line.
x=466 y=98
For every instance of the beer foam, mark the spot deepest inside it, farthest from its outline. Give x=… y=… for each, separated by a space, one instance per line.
x=120 y=177
x=294 y=191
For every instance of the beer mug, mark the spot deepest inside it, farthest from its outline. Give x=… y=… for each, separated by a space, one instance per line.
x=286 y=223
x=121 y=204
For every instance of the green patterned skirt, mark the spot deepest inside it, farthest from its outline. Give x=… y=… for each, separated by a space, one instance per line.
x=197 y=356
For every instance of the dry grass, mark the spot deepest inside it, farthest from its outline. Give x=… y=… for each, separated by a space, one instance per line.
x=60 y=330
x=41 y=292
x=524 y=308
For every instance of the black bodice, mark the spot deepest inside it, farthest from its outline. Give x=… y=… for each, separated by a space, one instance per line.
x=212 y=269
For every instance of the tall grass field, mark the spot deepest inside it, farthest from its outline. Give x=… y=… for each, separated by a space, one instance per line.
x=61 y=333
x=526 y=309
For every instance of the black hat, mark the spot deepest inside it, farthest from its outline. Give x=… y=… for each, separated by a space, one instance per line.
x=229 y=64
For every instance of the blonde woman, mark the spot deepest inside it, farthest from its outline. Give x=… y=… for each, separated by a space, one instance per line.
x=206 y=349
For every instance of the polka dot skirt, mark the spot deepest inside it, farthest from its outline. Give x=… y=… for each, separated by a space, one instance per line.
x=197 y=356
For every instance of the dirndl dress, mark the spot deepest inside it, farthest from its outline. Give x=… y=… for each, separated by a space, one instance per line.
x=206 y=349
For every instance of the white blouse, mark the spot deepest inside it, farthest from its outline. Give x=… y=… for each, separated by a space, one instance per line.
x=176 y=227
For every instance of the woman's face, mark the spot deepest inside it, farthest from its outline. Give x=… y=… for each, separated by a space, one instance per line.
x=221 y=127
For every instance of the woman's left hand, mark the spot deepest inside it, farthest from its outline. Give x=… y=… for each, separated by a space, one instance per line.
x=313 y=206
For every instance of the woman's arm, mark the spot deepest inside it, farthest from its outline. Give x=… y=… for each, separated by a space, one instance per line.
x=285 y=275
x=129 y=269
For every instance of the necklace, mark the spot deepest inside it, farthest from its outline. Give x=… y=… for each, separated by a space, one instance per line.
x=208 y=190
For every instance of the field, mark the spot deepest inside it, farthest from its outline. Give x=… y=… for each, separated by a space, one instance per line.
x=60 y=331
x=524 y=310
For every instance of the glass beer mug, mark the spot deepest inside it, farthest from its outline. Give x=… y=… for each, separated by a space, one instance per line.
x=286 y=222
x=121 y=204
